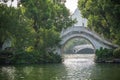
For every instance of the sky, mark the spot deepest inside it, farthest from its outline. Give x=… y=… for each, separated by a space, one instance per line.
x=71 y=5
x=14 y=3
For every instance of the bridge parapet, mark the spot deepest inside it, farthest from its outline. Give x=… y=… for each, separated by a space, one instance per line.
x=73 y=28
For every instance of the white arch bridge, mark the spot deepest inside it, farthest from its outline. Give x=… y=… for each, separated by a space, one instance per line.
x=83 y=32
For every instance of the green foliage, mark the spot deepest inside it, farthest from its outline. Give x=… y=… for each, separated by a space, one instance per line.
x=49 y=38
x=104 y=53
x=48 y=19
x=103 y=17
x=34 y=57
x=14 y=26
x=116 y=53
x=34 y=29
x=5 y=56
x=8 y=16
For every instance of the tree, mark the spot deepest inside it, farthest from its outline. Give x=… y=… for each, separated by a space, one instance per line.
x=103 y=17
x=14 y=25
x=8 y=22
x=46 y=15
x=33 y=23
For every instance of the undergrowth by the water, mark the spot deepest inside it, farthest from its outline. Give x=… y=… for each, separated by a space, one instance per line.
x=23 y=57
x=108 y=55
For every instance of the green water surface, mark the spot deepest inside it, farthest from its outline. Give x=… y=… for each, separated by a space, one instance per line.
x=80 y=68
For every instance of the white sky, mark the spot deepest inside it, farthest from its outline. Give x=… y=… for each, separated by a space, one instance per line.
x=14 y=3
x=71 y=5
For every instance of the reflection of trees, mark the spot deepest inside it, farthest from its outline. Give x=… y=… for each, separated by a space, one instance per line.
x=44 y=72
x=105 y=72
x=37 y=72
x=7 y=73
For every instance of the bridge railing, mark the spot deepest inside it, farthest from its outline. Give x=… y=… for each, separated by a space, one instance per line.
x=73 y=28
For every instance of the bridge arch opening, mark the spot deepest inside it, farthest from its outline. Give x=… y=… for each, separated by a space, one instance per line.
x=78 y=45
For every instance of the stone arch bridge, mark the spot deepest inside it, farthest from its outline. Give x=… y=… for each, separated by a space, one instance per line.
x=83 y=32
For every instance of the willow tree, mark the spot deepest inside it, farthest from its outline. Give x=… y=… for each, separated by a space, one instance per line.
x=103 y=17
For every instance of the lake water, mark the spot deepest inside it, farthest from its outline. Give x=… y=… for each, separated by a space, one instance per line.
x=74 y=67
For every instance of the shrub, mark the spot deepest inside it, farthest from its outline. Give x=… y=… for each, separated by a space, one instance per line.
x=104 y=53
x=5 y=56
x=24 y=57
x=21 y=57
x=116 y=53
x=33 y=57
